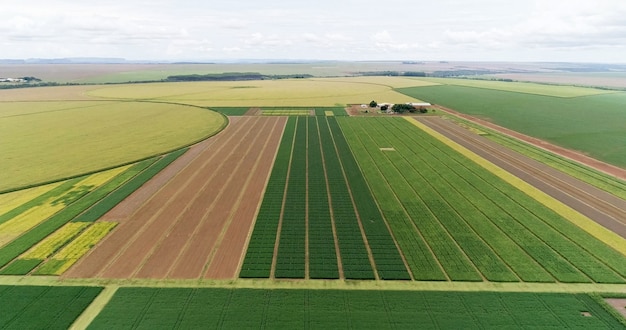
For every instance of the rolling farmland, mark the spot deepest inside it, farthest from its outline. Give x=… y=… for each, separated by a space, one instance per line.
x=297 y=215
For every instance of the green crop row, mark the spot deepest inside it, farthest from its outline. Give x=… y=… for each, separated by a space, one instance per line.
x=43 y=307
x=354 y=255
x=503 y=231
x=322 y=253
x=290 y=258
x=260 y=253
x=384 y=251
x=342 y=309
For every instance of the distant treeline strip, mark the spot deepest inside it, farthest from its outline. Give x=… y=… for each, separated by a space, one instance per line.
x=234 y=76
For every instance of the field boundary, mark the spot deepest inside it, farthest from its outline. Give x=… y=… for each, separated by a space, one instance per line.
x=96 y=306
x=221 y=128
x=608 y=237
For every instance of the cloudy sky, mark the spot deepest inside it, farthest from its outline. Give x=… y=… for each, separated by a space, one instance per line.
x=476 y=30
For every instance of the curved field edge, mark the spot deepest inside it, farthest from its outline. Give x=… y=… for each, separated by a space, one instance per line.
x=608 y=237
x=225 y=122
x=584 y=173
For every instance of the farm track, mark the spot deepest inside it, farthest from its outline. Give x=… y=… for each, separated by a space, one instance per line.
x=177 y=232
x=600 y=206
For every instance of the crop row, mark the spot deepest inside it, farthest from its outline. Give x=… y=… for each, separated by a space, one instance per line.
x=43 y=307
x=463 y=213
x=339 y=309
x=260 y=253
x=321 y=219
x=85 y=205
x=543 y=223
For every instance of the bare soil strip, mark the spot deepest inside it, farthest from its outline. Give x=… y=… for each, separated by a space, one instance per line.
x=163 y=209
x=230 y=251
x=166 y=221
x=571 y=154
x=191 y=220
x=619 y=304
x=598 y=205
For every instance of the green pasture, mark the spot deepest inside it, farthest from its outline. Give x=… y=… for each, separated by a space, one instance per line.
x=594 y=125
x=47 y=141
x=522 y=87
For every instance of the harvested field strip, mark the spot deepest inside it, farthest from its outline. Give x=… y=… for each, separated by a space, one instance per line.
x=178 y=232
x=73 y=251
x=98 y=261
x=532 y=219
x=258 y=260
x=389 y=264
x=198 y=253
x=163 y=213
x=9 y=202
x=279 y=308
x=231 y=245
x=43 y=307
x=53 y=242
x=598 y=179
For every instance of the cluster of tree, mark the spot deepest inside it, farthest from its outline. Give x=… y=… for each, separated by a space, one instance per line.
x=233 y=76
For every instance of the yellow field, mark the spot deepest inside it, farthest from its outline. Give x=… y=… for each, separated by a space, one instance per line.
x=287 y=92
x=36 y=215
x=46 y=141
x=523 y=87
x=50 y=244
x=605 y=235
x=81 y=245
x=11 y=200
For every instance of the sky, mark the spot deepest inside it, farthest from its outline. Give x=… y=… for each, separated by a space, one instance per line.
x=433 y=30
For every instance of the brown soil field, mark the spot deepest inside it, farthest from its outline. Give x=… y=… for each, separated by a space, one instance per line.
x=617 y=172
x=198 y=218
x=600 y=206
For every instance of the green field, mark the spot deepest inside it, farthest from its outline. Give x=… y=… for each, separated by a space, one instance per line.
x=43 y=307
x=594 y=125
x=349 y=309
x=316 y=191
x=48 y=141
x=450 y=214
x=522 y=87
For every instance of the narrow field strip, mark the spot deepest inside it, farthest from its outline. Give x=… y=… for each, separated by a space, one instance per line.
x=260 y=251
x=99 y=259
x=53 y=242
x=258 y=283
x=11 y=201
x=76 y=249
x=95 y=308
x=583 y=222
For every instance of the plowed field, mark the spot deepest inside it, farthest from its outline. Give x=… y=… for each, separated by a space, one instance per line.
x=196 y=225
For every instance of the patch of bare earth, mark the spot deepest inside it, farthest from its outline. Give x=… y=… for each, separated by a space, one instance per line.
x=618 y=303
x=571 y=154
x=209 y=203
